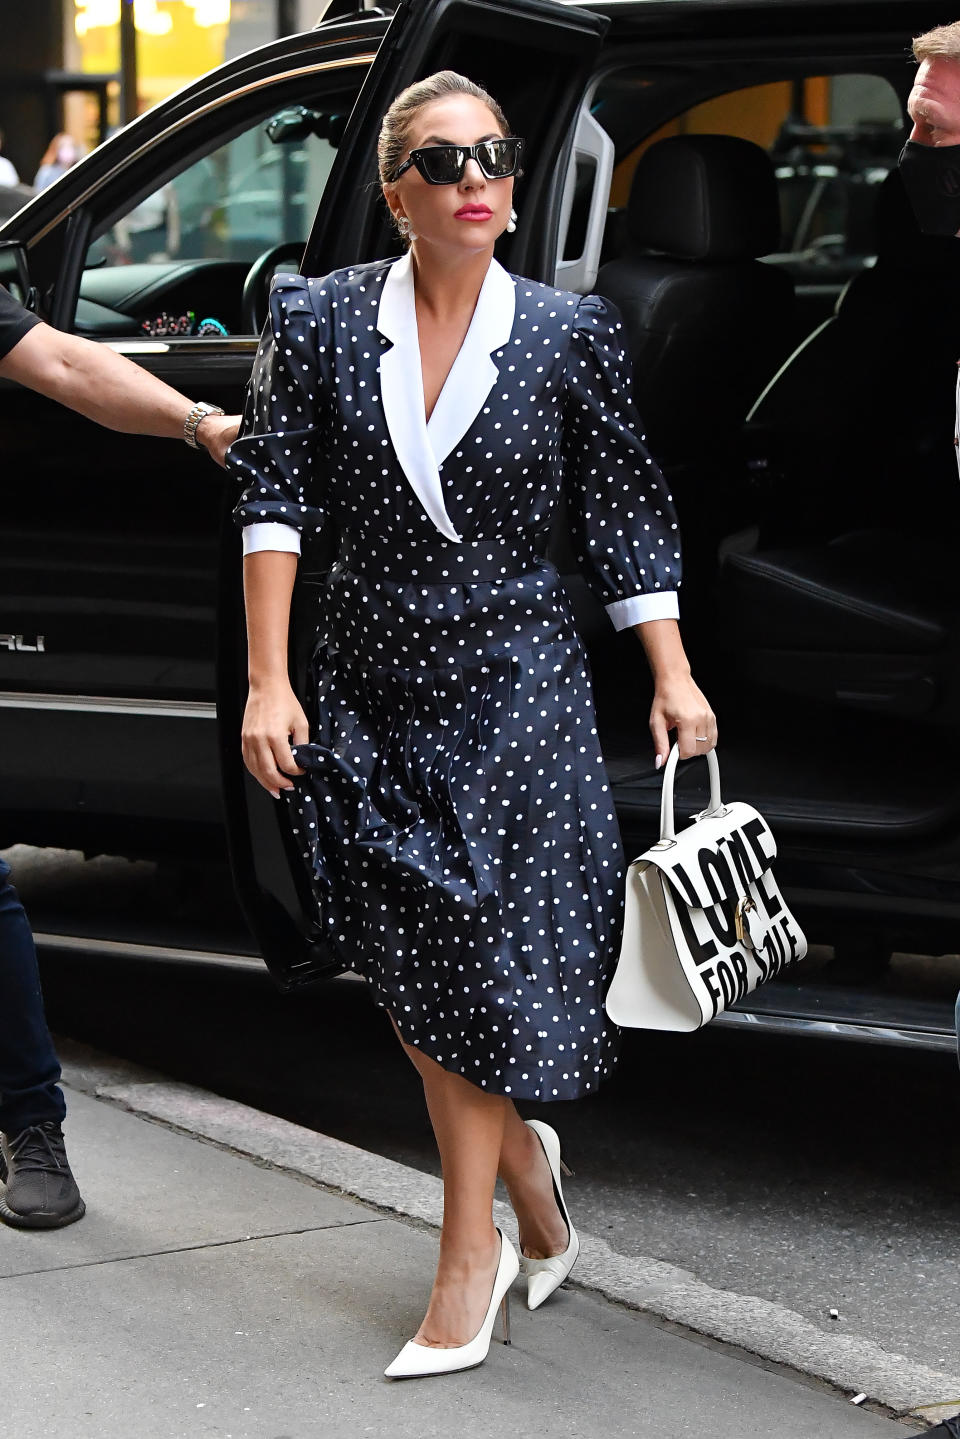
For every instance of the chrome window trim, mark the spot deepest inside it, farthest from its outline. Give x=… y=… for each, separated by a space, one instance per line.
x=107 y=704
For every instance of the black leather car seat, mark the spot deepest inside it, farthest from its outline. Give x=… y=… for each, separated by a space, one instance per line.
x=851 y=594
x=706 y=322
x=864 y=405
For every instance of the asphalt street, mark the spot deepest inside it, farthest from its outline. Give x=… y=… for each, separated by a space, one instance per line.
x=822 y=1176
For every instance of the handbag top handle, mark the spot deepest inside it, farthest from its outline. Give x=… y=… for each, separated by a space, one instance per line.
x=668 y=833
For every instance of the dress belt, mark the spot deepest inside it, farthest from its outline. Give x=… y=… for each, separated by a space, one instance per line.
x=470 y=562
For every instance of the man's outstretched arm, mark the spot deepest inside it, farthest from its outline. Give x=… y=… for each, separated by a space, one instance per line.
x=106 y=387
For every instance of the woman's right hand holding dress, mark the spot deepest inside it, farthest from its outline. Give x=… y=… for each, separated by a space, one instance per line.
x=274 y=717
x=272 y=720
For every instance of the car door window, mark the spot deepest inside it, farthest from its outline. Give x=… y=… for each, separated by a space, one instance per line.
x=173 y=264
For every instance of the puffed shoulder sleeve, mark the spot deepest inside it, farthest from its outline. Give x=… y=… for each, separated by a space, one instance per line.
x=275 y=458
x=622 y=516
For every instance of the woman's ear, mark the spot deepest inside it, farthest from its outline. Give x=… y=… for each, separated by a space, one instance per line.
x=393 y=201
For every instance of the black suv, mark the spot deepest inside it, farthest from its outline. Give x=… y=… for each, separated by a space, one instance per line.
x=725 y=171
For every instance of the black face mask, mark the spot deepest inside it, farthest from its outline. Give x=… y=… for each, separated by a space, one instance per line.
x=931 y=178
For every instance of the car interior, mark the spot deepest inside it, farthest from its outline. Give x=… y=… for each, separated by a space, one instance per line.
x=777 y=294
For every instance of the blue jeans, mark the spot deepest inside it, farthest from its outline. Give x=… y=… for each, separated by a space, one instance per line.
x=29 y=1068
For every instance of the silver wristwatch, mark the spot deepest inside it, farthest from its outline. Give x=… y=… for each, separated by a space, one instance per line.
x=200 y=409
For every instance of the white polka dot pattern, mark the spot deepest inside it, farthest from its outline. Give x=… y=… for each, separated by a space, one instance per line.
x=455 y=816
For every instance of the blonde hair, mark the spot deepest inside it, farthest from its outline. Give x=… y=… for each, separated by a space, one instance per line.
x=395 y=129
x=942 y=43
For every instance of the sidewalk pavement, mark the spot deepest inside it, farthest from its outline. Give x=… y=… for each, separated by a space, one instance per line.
x=206 y=1296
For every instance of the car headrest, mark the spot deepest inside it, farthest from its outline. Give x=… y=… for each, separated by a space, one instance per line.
x=705 y=197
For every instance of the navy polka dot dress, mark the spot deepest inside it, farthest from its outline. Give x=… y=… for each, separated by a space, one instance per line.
x=454 y=816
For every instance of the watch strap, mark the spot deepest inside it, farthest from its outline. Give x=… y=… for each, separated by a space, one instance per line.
x=190 y=424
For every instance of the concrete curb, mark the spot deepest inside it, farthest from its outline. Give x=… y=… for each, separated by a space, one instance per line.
x=768 y=1330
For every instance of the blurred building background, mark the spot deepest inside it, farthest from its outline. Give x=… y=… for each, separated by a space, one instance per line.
x=85 y=66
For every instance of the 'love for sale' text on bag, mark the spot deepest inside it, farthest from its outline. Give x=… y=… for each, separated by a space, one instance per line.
x=705 y=922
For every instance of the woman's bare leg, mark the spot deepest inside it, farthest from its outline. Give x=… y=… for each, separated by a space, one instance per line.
x=468 y=1125
x=526 y=1174
x=465 y=1121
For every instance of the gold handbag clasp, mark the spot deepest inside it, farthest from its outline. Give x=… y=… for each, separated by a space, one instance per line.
x=741 y=919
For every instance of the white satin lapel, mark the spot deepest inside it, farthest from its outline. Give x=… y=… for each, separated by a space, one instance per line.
x=420 y=447
x=401 y=392
x=473 y=372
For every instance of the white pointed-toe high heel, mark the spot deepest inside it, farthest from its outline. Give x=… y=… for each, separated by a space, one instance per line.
x=416 y=1361
x=546 y=1275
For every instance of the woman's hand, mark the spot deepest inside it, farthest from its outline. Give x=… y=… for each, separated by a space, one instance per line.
x=679 y=704
x=272 y=719
x=216 y=433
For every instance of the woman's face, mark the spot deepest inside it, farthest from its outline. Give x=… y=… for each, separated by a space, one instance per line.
x=467 y=216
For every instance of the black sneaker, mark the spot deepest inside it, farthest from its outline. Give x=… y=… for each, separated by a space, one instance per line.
x=41 y=1192
x=949 y=1429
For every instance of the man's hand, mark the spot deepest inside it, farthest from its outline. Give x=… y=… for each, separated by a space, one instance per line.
x=216 y=433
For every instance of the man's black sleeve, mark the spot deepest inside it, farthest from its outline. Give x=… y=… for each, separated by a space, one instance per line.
x=15 y=321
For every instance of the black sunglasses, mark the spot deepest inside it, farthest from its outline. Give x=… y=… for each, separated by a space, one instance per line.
x=445 y=164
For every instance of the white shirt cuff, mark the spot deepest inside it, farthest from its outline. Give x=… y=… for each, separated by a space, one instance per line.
x=638 y=609
x=268 y=535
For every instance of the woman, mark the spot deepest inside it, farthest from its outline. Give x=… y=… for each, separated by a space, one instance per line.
x=61 y=154
x=448 y=790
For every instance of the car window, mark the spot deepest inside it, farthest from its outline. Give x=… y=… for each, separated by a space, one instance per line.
x=832 y=140
x=259 y=190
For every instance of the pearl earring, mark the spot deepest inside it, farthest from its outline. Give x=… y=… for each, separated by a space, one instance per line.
x=512 y=222
x=405 y=228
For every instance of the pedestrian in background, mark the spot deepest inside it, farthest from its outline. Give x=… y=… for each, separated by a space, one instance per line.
x=61 y=154
x=41 y=1192
x=930 y=167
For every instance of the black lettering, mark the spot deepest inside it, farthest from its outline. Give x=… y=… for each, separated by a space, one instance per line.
x=740 y=860
x=775 y=950
x=792 y=939
x=739 y=962
x=772 y=902
x=710 y=983
x=682 y=880
x=702 y=953
x=716 y=876
x=723 y=923
x=728 y=982
x=755 y=830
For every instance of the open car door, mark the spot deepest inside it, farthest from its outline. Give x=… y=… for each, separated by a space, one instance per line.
x=536 y=57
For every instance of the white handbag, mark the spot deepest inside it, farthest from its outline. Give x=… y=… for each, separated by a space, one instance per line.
x=704 y=922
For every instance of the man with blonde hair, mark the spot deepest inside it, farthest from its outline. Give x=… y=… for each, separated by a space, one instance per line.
x=930 y=162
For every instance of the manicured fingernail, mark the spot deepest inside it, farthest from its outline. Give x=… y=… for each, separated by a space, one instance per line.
x=275 y=793
x=659 y=761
